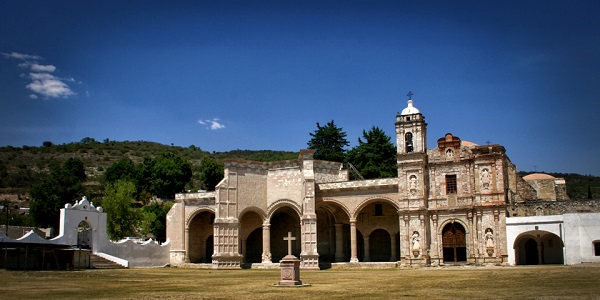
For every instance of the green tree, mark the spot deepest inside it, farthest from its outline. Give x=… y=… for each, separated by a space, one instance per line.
x=211 y=173
x=122 y=169
x=375 y=157
x=155 y=220
x=64 y=184
x=328 y=142
x=165 y=175
x=118 y=203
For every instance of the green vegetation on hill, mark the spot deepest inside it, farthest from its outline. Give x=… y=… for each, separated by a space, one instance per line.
x=22 y=167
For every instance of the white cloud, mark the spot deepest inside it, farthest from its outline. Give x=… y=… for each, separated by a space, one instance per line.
x=42 y=82
x=21 y=56
x=43 y=68
x=48 y=85
x=212 y=124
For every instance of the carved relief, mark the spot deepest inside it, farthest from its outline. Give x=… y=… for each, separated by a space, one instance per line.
x=413 y=185
x=485 y=179
x=416 y=246
x=489 y=241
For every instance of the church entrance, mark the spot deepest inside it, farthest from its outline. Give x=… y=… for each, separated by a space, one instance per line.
x=283 y=221
x=84 y=235
x=538 y=247
x=201 y=238
x=454 y=243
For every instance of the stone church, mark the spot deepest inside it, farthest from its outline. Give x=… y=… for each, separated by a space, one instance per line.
x=449 y=204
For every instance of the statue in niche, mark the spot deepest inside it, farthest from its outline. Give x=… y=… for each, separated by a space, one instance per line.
x=413 y=185
x=449 y=153
x=489 y=241
x=416 y=246
x=485 y=179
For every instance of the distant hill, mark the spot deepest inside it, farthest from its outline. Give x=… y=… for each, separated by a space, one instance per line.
x=21 y=167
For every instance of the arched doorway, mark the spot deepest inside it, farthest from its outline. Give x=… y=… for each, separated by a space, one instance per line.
x=201 y=238
x=84 y=235
x=531 y=252
x=283 y=221
x=376 y=220
x=454 y=243
x=333 y=232
x=251 y=235
x=380 y=245
x=538 y=247
x=254 y=246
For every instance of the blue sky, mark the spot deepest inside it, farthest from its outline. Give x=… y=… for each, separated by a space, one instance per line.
x=225 y=75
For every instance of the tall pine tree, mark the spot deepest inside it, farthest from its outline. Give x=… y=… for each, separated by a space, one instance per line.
x=328 y=142
x=375 y=157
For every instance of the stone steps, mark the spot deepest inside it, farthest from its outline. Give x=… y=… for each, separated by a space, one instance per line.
x=98 y=262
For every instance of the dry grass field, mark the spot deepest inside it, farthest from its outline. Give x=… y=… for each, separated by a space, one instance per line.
x=530 y=282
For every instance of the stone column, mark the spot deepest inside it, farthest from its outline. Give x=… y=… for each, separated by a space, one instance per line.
x=339 y=242
x=366 y=257
x=187 y=244
x=394 y=247
x=353 y=252
x=540 y=253
x=266 y=255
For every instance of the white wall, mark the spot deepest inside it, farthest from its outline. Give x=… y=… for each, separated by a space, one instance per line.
x=128 y=252
x=577 y=231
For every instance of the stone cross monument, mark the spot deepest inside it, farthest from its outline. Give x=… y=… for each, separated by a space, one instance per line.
x=290 y=266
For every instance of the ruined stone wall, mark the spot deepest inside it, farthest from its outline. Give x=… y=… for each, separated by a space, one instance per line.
x=284 y=184
x=546 y=208
x=326 y=171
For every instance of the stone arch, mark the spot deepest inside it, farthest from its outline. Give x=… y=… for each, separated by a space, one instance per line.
x=200 y=235
x=454 y=241
x=284 y=216
x=374 y=215
x=333 y=231
x=283 y=203
x=191 y=216
x=251 y=234
x=84 y=234
x=538 y=247
x=380 y=241
x=370 y=200
x=337 y=204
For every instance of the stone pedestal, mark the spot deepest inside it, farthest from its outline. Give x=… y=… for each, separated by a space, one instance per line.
x=290 y=271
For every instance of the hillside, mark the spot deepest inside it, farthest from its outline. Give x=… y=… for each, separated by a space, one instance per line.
x=20 y=167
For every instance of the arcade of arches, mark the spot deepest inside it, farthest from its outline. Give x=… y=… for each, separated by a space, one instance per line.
x=447 y=205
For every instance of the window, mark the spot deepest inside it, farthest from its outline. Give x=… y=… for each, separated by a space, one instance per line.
x=378 y=209
x=408 y=138
x=596 y=248
x=450 y=184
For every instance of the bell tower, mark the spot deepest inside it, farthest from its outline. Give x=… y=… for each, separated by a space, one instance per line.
x=411 y=130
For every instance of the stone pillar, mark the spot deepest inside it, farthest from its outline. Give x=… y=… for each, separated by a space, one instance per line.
x=394 y=247
x=266 y=255
x=187 y=244
x=540 y=253
x=366 y=257
x=353 y=252
x=339 y=242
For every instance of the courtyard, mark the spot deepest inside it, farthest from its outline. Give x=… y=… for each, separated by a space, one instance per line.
x=523 y=282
